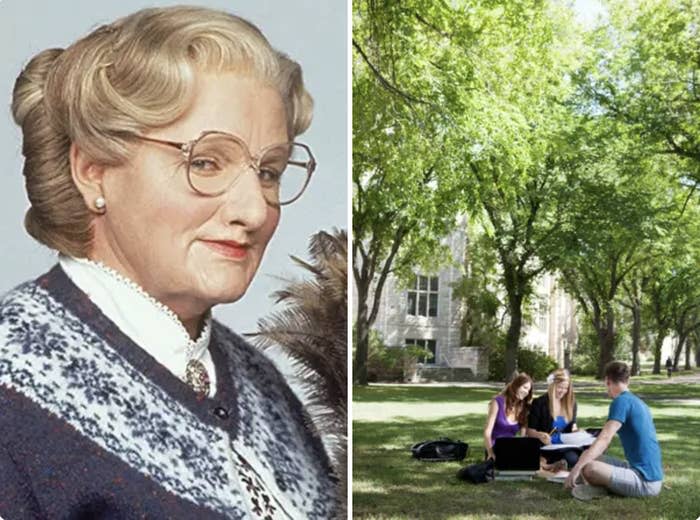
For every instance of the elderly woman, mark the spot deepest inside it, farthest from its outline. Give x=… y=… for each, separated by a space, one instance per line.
x=158 y=152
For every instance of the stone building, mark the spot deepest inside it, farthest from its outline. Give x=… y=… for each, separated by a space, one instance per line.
x=425 y=313
x=553 y=329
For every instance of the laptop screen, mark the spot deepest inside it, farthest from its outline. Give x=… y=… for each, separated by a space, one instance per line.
x=517 y=454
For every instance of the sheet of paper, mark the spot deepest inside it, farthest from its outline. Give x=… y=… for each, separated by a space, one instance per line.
x=554 y=447
x=581 y=438
x=559 y=476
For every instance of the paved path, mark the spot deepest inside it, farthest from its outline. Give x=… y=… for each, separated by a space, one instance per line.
x=693 y=378
x=677 y=379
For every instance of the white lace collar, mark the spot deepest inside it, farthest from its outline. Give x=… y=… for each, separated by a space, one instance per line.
x=150 y=324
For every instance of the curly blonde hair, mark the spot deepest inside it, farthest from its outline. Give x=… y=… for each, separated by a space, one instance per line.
x=118 y=82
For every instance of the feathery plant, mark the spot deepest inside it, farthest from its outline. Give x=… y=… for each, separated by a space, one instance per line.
x=311 y=329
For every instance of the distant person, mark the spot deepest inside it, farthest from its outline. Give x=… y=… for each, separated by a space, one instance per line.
x=552 y=414
x=642 y=473
x=508 y=412
x=669 y=366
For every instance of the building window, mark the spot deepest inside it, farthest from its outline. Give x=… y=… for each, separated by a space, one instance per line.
x=428 y=344
x=423 y=296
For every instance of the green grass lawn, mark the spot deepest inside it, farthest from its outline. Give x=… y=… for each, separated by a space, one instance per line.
x=388 y=483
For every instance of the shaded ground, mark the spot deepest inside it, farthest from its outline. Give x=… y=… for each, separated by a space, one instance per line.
x=388 y=483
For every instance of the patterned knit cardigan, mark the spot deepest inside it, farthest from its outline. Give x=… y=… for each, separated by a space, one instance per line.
x=91 y=426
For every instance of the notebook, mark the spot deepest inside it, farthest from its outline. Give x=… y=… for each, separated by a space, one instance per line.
x=579 y=439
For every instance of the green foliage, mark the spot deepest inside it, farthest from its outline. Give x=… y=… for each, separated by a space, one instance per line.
x=536 y=364
x=577 y=150
x=621 y=204
x=476 y=290
x=391 y=363
x=517 y=136
x=457 y=107
x=644 y=75
x=404 y=187
x=584 y=359
x=638 y=93
x=405 y=196
x=586 y=356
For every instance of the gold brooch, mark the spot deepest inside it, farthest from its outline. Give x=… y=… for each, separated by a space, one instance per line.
x=197 y=377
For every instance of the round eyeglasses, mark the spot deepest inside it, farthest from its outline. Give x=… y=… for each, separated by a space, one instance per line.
x=216 y=160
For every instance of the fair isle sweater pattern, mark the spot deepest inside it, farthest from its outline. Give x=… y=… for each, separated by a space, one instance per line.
x=61 y=353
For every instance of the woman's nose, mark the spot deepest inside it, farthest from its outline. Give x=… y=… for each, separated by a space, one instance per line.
x=245 y=203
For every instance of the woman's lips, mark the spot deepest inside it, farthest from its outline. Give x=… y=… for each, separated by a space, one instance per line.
x=228 y=248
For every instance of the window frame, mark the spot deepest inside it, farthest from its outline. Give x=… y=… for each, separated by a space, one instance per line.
x=422 y=296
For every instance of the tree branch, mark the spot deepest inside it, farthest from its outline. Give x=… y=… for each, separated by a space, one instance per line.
x=398 y=240
x=384 y=82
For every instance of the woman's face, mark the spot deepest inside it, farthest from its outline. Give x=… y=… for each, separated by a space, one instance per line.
x=187 y=250
x=560 y=389
x=523 y=391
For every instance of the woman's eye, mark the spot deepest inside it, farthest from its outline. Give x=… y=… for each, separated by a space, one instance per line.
x=269 y=176
x=204 y=165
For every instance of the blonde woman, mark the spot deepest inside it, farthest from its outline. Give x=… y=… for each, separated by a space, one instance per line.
x=159 y=150
x=554 y=413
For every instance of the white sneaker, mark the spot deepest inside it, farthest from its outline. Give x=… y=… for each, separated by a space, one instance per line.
x=588 y=492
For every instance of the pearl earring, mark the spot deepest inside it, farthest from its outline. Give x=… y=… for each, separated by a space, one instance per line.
x=100 y=203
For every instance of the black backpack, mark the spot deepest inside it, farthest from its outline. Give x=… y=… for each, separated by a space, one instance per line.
x=440 y=450
x=478 y=473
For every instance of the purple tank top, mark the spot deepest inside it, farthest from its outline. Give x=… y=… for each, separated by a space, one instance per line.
x=503 y=427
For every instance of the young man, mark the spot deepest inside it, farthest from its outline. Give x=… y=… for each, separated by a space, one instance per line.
x=642 y=473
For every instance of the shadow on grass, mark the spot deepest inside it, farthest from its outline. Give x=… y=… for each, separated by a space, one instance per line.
x=388 y=483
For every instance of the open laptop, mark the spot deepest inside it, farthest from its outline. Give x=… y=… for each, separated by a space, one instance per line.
x=517 y=458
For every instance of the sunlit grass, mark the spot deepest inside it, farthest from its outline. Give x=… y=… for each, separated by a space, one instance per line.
x=666 y=437
x=359 y=485
x=388 y=483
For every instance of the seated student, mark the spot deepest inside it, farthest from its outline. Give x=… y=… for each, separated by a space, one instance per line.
x=551 y=415
x=642 y=473
x=508 y=412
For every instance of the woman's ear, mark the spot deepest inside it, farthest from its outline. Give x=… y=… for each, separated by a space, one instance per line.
x=88 y=175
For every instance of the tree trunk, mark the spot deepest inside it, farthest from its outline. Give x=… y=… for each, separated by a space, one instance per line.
x=515 y=308
x=636 y=336
x=606 y=340
x=679 y=350
x=658 y=343
x=688 y=344
x=362 y=327
x=366 y=314
x=661 y=324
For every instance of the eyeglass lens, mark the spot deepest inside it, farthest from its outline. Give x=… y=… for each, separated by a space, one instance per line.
x=216 y=162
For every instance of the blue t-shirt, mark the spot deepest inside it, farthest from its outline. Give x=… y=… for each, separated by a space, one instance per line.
x=638 y=435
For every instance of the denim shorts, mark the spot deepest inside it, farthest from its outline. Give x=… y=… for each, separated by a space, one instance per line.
x=628 y=482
